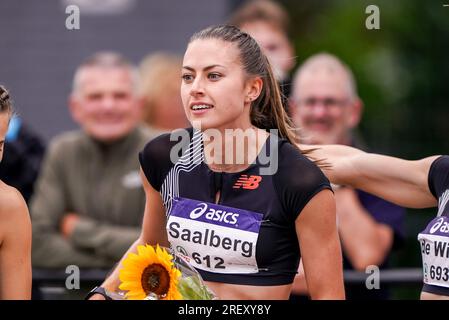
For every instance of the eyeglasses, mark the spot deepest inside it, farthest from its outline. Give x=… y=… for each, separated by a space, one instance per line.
x=328 y=103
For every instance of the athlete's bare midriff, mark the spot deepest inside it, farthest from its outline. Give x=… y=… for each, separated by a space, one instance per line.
x=226 y=291
x=432 y=296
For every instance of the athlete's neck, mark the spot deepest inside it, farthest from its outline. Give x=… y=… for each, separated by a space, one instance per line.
x=233 y=150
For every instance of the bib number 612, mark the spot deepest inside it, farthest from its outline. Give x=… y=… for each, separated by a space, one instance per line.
x=219 y=262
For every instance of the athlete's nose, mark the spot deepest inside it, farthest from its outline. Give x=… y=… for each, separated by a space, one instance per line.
x=197 y=88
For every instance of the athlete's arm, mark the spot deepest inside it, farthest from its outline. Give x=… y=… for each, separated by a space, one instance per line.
x=320 y=247
x=15 y=246
x=397 y=180
x=153 y=231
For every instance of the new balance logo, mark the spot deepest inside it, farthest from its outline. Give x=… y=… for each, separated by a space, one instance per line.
x=249 y=183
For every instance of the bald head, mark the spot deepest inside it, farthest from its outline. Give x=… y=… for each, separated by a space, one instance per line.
x=324 y=101
x=325 y=66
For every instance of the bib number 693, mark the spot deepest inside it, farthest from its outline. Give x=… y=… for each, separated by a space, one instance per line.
x=439 y=273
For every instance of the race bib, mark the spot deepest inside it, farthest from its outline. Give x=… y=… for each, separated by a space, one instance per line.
x=434 y=242
x=213 y=237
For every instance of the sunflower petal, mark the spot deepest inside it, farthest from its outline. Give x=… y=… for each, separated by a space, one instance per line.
x=135 y=264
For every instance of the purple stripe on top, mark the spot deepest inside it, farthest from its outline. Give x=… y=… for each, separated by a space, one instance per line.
x=216 y=214
x=438 y=226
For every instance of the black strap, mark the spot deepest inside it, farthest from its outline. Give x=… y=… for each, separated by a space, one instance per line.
x=98 y=290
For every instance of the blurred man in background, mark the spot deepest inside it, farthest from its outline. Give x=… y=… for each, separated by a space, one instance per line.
x=268 y=23
x=88 y=205
x=326 y=108
x=160 y=83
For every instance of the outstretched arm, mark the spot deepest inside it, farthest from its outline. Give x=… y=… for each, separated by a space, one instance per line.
x=320 y=247
x=397 y=180
x=15 y=246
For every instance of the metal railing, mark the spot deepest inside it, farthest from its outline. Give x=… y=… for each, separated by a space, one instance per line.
x=51 y=283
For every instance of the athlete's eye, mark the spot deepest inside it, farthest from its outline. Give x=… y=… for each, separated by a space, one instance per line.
x=214 y=76
x=187 y=77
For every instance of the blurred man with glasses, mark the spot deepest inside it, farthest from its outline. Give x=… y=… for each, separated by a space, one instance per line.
x=324 y=101
x=325 y=106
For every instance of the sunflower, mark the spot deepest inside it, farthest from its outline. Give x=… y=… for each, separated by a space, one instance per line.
x=150 y=272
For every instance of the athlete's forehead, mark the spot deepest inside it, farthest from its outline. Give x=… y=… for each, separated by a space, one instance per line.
x=206 y=53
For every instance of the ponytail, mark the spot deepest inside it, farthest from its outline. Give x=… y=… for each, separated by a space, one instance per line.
x=268 y=112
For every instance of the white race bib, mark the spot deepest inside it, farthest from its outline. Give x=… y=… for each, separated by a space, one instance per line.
x=213 y=237
x=434 y=242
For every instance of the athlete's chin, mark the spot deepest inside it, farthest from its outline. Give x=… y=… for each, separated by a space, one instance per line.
x=204 y=123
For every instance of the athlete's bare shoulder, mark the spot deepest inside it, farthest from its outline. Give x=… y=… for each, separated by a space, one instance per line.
x=12 y=203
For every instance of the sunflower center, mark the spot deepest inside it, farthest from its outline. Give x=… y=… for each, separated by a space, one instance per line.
x=155 y=279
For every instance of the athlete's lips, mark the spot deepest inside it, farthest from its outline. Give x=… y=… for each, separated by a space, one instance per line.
x=200 y=107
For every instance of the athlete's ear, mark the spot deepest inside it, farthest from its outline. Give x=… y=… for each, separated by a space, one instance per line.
x=253 y=88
